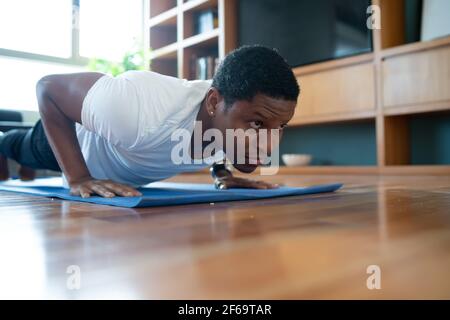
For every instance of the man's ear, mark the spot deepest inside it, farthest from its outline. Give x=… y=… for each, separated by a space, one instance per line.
x=213 y=101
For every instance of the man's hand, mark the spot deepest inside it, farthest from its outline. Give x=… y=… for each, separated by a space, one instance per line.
x=103 y=188
x=230 y=181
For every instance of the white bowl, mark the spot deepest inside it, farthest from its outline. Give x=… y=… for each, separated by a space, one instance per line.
x=292 y=160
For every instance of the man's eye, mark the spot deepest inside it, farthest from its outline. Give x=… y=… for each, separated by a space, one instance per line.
x=256 y=124
x=283 y=126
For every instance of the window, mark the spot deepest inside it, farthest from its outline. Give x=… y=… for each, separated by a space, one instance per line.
x=40 y=37
x=18 y=78
x=70 y=31
x=108 y=29
x=41 y=27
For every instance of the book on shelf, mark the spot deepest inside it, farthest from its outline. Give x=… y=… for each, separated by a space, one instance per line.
x=205 y=67
x=206 y=20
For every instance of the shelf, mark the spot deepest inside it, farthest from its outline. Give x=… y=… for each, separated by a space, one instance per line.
x=414 y=47
x=415 y=170
x=172 y=37
x=199 y=5
x=165 y=18
x=342 y=117
x=417 y=108
x=190 y=15
x=167 y=52
x=203 y=39
x=334 y=64
x=158 y=7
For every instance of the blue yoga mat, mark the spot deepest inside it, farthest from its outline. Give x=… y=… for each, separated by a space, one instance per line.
x=161 y=193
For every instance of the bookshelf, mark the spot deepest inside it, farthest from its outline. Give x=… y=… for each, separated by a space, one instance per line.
x=175 y=41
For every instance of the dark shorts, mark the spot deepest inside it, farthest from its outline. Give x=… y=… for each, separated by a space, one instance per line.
x=29 y=147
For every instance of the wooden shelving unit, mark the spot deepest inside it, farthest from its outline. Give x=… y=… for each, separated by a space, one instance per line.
x=387 y=87
x=173 y=41
x=390 y=86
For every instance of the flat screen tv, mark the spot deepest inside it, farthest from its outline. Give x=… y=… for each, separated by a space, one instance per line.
x=306 y=31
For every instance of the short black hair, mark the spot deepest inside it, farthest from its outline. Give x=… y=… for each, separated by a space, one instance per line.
x=254 y=69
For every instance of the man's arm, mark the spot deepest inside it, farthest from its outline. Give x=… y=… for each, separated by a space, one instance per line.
x=60 y=99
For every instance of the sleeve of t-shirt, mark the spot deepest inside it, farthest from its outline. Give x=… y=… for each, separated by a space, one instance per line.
x=111 y=110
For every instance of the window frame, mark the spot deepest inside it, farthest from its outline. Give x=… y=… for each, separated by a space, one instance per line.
x=75 y=58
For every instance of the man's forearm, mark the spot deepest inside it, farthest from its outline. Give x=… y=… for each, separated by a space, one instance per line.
x=60 y=131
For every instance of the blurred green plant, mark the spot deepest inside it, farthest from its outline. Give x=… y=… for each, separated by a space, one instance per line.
x=133 y=60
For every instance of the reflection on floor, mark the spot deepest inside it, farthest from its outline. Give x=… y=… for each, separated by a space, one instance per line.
x=317 y=246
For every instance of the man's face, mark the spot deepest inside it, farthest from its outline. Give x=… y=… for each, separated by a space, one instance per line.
x=262 y=112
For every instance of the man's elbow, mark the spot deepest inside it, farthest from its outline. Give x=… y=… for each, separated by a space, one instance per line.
x=44 y=93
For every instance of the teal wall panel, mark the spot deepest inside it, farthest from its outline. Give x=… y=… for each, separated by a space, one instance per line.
x=430 y=139
x=333 y=144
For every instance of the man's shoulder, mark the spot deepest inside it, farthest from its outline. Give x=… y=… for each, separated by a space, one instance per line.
x=147 y=75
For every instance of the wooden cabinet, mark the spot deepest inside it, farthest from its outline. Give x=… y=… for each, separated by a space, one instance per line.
x=339 y=91
x=387 y=86
x=416 y=78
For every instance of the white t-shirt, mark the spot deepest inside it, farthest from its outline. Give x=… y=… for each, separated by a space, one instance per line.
x=127 y=122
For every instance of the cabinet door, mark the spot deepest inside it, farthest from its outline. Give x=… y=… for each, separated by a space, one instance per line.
x=340 y=91
x=416 y=78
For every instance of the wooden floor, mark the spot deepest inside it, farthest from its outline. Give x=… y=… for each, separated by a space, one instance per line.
x=316 y=246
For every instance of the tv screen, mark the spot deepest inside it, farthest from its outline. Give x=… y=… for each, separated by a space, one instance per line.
x=306 y=31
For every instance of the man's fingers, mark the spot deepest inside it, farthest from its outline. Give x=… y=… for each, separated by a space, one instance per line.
x=103 y=188
x=269 y=185
x=237 y=183
x=245 y=183
x=259 y=185
x=116 y=189
x=122 y=190
x=84 y=193
x=74 y=192
x=266 y=185
x=102 y=191
x=130 y=192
